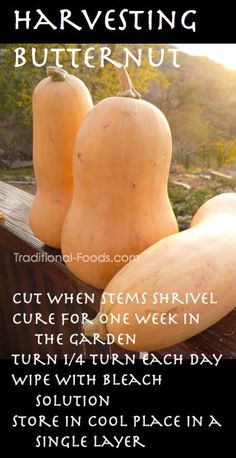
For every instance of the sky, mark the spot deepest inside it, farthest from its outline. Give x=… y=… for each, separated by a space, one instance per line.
x=222 y=53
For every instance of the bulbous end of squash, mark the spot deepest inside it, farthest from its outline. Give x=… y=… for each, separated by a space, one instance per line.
x=217 y=205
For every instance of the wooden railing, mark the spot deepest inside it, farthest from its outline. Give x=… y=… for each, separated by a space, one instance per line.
x=17 y=238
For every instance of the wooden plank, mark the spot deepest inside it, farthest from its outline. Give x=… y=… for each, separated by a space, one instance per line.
x=5 y=308
x=183 y=185
x=219 y=174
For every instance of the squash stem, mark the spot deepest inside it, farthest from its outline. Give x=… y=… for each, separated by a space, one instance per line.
x=57 y=74
x=95 y=326
x=2 y=217
x=127 y=87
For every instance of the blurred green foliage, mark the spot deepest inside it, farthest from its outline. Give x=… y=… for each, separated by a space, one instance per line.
x=186 y=202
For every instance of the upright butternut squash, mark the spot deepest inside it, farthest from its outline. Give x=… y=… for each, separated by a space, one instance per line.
x=120 y=204
x=60 y=103
x=194 y=271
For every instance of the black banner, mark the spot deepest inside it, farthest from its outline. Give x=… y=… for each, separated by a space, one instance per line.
x=188 y=21
x=131 y=409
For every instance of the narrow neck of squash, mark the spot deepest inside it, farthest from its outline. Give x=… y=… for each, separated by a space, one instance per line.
x=57 y=74
x=127 y=88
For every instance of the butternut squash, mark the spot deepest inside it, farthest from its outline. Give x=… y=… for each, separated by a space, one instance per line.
x=195 y=271
x=60 y=103
x=120 y=204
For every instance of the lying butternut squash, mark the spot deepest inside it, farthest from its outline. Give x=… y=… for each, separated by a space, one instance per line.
x=120 y=204
x=60 y=103
x=196 y=267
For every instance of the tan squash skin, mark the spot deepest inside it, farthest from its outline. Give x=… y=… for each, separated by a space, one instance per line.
x=200 y=259
x=60 y=103
x=120 y=204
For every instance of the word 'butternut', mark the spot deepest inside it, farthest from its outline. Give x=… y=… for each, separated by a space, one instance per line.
x=200 y=259
x=120 y=204
x=60 y=103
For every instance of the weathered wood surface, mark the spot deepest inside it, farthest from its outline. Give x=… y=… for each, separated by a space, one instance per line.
x=16 y=237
